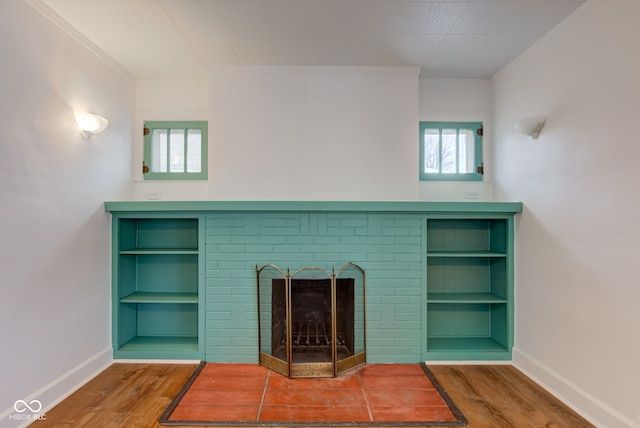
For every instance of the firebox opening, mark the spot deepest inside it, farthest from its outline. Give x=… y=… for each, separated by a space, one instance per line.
x=311 y=328
x=311 y=323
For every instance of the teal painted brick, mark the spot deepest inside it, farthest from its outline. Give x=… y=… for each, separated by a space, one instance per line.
x=408 y=317
x=380 y=243
x=412 y=293
x=341 y=231
x=303 y=248
x=301 y=239
x=397 y=277
x=382 y=240
x=216 y=255
x=345 y=216
x=240 y=256
x=413 y=222
x=284 y=231
x=401 y=248
x=249 y=343
x=382 y=359
x=324 y=240
x=400 y=354
x=293 y=248
x=365 y=248
x=395 y=266
x=220 y=273
x=240 y=299
x=257 y=248
x=220 y=220
x=343 y=249
x=271 y=240
x=231 y=265
x=213 y=240
x=410 y=257
x=412 y=239
x=216 y=306
x=354 y=222
x=354 y=241
x=387 y=336
x=220 y=327
x=389 y=340
x=272 y=222
x=240 y=333
x=217 y=316
x=231 y=248
x=374 y=258
x=408 y=342
x=213 y=341
x=395 y=231
x=384 y=292
x=231 y=357
x=414 y=307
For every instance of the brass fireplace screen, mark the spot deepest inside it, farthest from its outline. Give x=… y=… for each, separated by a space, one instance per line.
x=311 y=323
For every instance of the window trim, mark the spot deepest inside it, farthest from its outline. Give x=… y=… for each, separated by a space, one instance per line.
x=477 y=144
x=204 y=150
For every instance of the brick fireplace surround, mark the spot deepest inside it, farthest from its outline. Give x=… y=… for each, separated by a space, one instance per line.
x=388 y=239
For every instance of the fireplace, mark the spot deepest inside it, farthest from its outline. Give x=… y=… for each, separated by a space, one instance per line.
x=311 y=323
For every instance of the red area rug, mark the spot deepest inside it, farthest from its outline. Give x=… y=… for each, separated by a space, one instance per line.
x=252 y=395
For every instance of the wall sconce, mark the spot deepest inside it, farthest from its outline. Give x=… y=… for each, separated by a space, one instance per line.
x=90 y=124
x=531 y=126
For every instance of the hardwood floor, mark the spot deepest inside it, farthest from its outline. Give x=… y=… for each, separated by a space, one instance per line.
x=134 y=395
x=501 y=396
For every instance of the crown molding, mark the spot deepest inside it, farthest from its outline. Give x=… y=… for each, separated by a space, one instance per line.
x=56 y=19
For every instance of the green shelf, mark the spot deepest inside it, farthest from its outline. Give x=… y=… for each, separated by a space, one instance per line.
x=160 y=344
x=150 y=297
x=158 y=279
x=464 y=298
x=159 y=251
x=466 y=254
x=464 y=344
x=469 y=277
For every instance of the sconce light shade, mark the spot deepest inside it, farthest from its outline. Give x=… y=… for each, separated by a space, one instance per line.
x=531 y=126
x=90 y=124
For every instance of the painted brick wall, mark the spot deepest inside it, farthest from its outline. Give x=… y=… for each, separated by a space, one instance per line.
x=388 y=246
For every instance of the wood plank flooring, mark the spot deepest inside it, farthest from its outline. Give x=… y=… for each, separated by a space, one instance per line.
x=134 y=395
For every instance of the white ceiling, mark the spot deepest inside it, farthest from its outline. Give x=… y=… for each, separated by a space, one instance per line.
x=181 y=38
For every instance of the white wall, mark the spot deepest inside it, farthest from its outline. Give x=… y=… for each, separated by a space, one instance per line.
x=55 y=235
x=366 y=135
x=168 y=99
x=577 y=259
x=459 y=100
x=313 y=133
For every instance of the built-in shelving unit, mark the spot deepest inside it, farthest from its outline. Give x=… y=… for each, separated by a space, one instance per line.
x=157 y=289
x=464 y=282
x=469 y=288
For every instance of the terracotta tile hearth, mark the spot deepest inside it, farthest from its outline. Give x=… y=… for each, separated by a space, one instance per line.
x=251 y=394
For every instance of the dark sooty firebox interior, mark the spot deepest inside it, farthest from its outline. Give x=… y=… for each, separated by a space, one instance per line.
x=312 y=321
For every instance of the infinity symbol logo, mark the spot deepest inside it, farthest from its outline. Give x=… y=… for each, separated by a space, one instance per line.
x=22 y=406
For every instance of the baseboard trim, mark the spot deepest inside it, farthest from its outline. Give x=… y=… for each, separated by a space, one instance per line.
x=468 y=363
x=150 y=361
x=585 y=404
x=60 y=388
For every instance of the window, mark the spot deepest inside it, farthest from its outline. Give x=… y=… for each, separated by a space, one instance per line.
x=451 y=151
x=175 y=151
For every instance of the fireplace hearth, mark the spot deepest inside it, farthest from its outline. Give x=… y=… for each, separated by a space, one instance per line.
x=311 y=323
